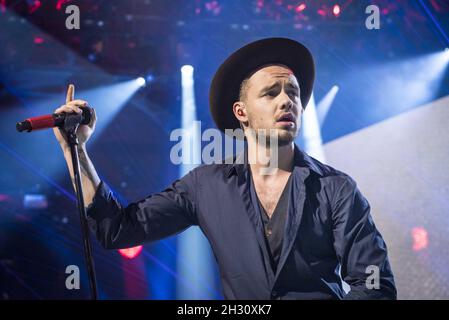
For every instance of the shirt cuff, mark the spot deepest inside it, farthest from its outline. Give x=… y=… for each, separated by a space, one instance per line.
x=98 y=208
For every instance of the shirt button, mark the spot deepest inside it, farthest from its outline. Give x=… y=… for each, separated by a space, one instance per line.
x=269 y=232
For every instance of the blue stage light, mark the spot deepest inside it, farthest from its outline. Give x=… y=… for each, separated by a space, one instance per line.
x=141 y=81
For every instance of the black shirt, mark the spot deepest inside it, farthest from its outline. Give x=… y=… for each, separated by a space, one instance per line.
x=218 y=199
x=274 y=226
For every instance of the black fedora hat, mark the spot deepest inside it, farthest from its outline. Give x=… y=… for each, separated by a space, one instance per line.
x=225 y=85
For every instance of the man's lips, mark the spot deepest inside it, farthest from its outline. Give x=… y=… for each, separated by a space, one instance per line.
x=286 y=119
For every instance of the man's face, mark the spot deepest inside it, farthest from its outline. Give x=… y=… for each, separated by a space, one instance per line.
x=272 y=101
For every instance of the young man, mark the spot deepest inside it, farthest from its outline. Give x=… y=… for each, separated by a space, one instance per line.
x=284 y=235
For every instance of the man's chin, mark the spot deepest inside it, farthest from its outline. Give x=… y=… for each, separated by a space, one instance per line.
x=284 y=137
x=285 y=133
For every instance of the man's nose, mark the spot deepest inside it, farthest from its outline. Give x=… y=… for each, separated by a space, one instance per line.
x=285 y=102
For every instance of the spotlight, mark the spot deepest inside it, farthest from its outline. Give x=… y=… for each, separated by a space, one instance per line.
x=446 y=54
x=38 y=40
x=35 y=201
x=187 y=69
x=336 y=10
x=149 y=78
x=323 y=107
x=301 y=7
x=420 y=238
x=141 y=81
x=187 y=76
x=130 y=253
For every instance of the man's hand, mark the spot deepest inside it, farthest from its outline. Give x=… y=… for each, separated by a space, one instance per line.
x=89 y=176
x=84 y=131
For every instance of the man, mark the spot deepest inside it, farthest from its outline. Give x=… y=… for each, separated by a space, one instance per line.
x=284 y=235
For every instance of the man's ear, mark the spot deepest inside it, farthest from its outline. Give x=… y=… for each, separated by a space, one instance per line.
x=239 y=110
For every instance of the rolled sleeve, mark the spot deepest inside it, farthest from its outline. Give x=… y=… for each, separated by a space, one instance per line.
x=155 y=217
x=359 y=245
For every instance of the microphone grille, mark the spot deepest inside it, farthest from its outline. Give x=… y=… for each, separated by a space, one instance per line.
x=23 y=126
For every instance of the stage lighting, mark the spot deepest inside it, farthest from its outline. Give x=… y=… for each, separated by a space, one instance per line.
x=149 y=78
x=336 y=10
x=187 y=69
x=325 y=104
x=35 y=201
x=187 y=78
x=301 y=7
x=130 y=253
x=420 y=238
x=194 y=254
x=38 y=40
x=406 y=83
x=446 y=53
x=311 y=132
x=141 y=81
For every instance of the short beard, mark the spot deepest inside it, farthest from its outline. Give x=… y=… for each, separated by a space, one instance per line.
x=283 y=139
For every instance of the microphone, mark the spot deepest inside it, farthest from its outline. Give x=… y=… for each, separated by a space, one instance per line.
x=53 y=120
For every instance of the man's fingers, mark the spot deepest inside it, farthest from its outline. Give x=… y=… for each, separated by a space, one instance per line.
x=78 y=102
x=72 y=105
x=70 y=93
x=93 y=120
x=68 y=108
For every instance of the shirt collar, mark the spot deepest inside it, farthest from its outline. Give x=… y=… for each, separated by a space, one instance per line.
x=301 y=159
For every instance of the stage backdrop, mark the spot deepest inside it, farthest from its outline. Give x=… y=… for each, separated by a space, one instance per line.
x=401 y=166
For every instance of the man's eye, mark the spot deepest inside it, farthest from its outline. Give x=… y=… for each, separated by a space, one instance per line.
x=270 y=94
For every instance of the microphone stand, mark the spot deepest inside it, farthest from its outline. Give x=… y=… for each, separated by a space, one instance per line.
x=71 y=123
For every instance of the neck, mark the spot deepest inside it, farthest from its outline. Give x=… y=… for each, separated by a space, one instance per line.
x=262 y=157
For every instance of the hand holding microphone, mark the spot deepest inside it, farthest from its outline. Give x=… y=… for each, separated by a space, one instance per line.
x=73 y=123
x=83 y=132
x=87 y=119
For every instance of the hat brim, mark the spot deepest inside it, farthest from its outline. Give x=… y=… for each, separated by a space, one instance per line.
x=225 y=85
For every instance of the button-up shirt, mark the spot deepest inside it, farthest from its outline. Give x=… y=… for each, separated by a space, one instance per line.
x=328 y=230
x=273 y=226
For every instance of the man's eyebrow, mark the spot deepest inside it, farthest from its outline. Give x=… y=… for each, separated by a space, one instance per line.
x=277 y=83
x=289 y=84
x=292 y=85
x=269 y=87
